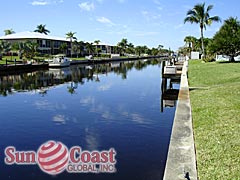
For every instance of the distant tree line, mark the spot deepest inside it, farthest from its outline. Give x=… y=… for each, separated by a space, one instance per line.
x=29 y=49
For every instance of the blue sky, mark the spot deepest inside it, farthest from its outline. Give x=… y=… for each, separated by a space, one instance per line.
x=142 y=22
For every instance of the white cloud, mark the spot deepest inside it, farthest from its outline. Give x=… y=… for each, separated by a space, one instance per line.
x=86 y=101
x=45 y=2
x=87 y=6
x=61 y=119
x=104 y=87
x=39 y=3
x=105 y=20
x=150 y=16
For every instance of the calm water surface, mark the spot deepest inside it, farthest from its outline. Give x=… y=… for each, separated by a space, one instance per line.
x=95 y=107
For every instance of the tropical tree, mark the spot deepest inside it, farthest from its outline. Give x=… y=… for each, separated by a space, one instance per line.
x=42 y=29
x=63 y=48
x=123 y=45
x=160 y=47
x=90 y=48
x=138 y=50
x=1 y=50
x=8 y=31
x=116 y=49
x=30 y=49
x=227 y=40
x=144 y=49
x=96 y=48
x=18 y=47
x=5 y=47
x=80 y=47
x=130 y=49
x=75 y=47
x=200 y=15
x=71 y=36
x=155 y=51
x=190 y=41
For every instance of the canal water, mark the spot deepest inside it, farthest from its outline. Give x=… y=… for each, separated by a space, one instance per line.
x=96 y=107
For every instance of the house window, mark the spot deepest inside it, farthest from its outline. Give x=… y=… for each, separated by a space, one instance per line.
x=43 y=43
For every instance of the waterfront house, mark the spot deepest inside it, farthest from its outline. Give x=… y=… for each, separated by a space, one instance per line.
x=47 y=44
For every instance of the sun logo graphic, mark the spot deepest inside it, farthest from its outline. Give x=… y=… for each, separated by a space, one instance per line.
x=53 y=157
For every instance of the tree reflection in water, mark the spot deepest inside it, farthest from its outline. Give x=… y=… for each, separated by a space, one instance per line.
x=40 y=81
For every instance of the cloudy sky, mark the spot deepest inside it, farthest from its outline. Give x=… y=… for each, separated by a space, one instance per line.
x=142 y=22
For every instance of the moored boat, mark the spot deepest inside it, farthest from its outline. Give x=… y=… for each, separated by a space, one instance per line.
x=59 y=61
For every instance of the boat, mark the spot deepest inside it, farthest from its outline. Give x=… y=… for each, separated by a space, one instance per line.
x=90 y=57
x=59 y=60
x=60 y=73
x=89 y=67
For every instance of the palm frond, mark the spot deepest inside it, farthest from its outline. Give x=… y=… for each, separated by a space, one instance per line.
x=215 y=18
x=191 y=19
x=209 y=8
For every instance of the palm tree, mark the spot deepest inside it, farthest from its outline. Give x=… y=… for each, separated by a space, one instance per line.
x=1 y=49
x=63 y=47
x=97 y=43
x=130 y=48
x=5 y=47
x=18 y=47
x=71 y=35
x=8 y=31
x=80 y=47
x=90 y=48
x=116 y=49
x=123 y=45
x=30 y=49
x=191 y=43
x=138 y=50
x=200 y=15
x=42 y=29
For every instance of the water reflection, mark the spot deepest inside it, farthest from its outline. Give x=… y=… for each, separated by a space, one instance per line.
x=40 y=81
x=94 y=106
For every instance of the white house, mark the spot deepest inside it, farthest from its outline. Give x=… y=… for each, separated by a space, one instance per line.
x=47 y=44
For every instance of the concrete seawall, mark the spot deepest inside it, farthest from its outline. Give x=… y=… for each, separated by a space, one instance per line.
x=19 y=68
x=96 y=61
x=181 y=160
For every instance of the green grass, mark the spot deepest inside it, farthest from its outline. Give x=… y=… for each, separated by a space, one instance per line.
x=216 y=118
x=81 y=58
x=10 y=57
x=3 y=61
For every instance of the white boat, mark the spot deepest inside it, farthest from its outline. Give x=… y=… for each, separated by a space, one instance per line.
x=89 y=57
x=89 y=67
x=59 y=61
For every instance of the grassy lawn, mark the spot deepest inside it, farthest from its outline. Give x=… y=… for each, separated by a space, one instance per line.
x=81 y=58
x=3 y=61
x=215 y=101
